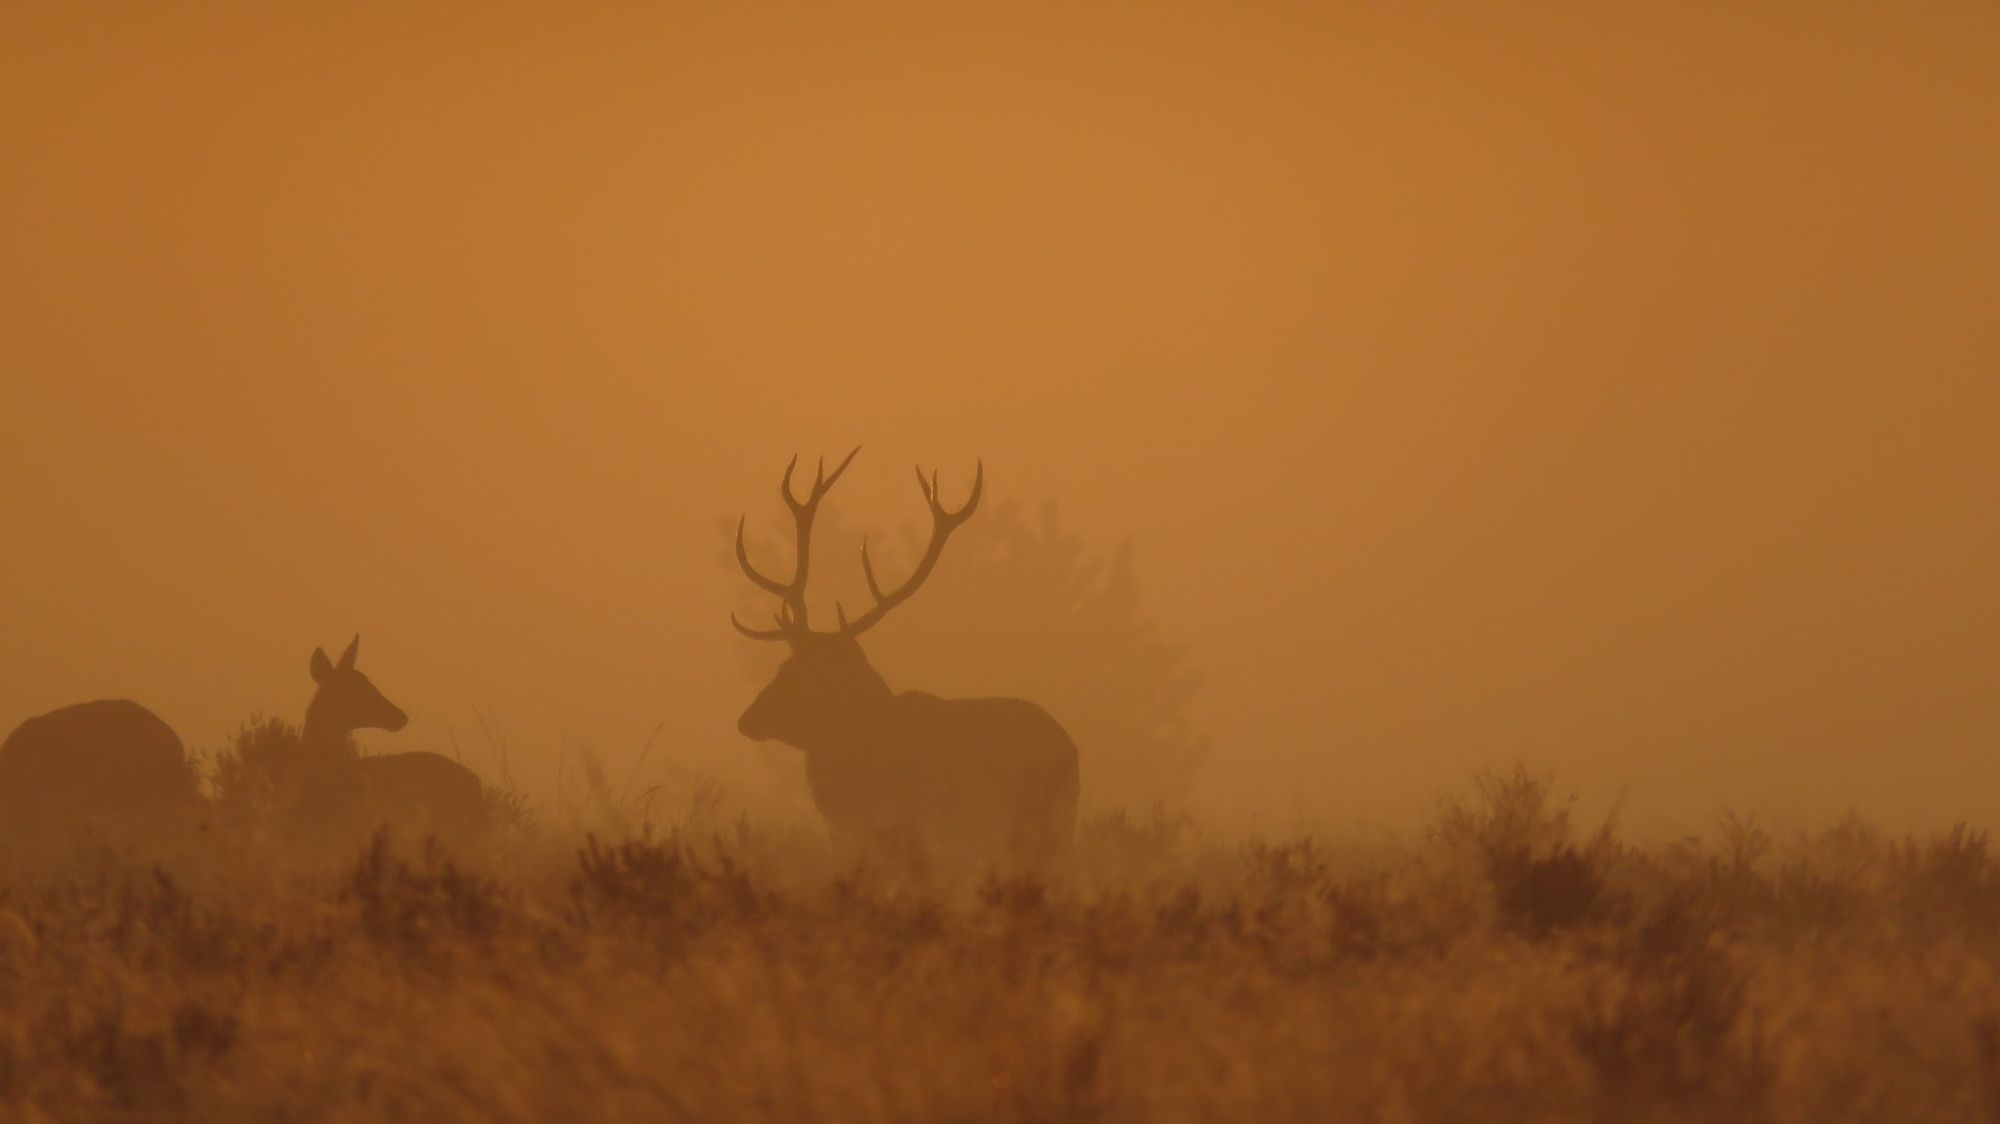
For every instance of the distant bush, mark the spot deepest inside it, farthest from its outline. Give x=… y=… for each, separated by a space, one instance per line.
x=411 y=905
x=1520 y=836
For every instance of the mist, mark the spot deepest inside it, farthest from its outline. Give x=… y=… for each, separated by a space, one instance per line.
x=1612 y=393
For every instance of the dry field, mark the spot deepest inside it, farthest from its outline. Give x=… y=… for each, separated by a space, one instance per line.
x=1497 y=967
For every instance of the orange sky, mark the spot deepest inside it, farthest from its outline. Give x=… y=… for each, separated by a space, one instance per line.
x=1615 y=393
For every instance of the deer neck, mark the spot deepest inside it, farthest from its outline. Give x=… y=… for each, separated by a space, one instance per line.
x=858 y=728
x=321 y=733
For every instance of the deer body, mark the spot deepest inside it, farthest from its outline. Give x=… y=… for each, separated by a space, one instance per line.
x=981 y=779
x=424 y=787
x=110 y=759
x=978 y=776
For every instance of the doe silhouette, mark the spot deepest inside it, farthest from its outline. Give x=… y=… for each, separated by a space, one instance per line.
x=116 y=768
x=986 y=780
x=425 y=790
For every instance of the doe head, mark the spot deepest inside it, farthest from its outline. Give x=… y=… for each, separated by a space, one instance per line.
x=346 y=700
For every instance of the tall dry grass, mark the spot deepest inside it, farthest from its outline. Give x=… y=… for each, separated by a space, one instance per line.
x=1504 y=966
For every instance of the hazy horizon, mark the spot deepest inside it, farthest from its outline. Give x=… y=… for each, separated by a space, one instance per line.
x=1610 y=392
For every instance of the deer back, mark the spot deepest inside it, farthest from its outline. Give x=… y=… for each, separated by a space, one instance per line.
x=110 y=758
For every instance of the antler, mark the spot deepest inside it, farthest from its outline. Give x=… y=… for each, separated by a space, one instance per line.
x=791 y=614
x=943 y=523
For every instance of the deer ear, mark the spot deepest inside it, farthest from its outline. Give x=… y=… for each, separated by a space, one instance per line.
x=347 y=657
x=321 y=666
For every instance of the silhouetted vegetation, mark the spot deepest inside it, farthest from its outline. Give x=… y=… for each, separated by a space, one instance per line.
x=270 y=790
x=1501 y=968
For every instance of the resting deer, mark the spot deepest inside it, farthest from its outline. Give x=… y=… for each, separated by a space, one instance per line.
x=111 y=762
x=989 y=778
x=428 y=790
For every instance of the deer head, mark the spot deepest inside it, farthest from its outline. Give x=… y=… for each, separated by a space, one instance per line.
x=826 y=686
x=346 y=701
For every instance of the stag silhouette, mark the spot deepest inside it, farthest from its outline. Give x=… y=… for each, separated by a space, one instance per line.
x=109 y=763
x=985 y=779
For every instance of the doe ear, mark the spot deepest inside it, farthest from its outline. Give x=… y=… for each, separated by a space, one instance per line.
x=321 y=666
x=347 y=657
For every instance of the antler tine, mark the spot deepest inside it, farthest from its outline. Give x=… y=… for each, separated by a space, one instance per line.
x=841 y=467
x=936 y=498
x=972 y=498
x=759 y=633
x=868 y=570
x=785 y=485
x=822 y=483
x=743 y=559
x=943 y=523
